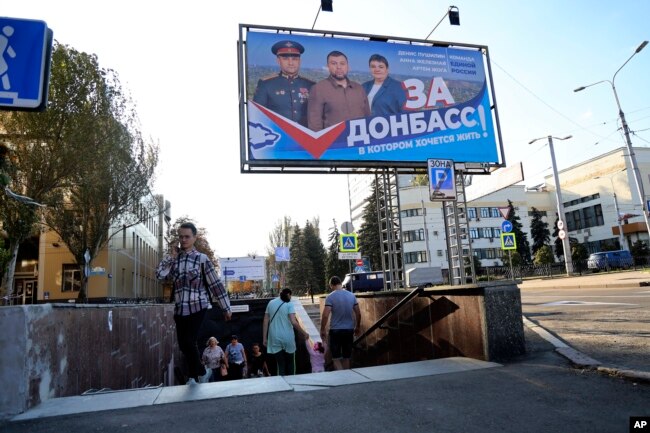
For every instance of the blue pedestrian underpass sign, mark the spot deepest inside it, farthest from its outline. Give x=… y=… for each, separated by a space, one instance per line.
x=25 y=50
x=508 y=241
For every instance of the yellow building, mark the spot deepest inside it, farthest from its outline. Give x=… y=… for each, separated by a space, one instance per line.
x=124 y=269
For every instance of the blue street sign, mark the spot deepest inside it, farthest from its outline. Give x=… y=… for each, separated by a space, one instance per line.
x=242 y=278
x=348 y=243
x=25 y=49
x=229 y=272
x=508 y=241
x=506 y=226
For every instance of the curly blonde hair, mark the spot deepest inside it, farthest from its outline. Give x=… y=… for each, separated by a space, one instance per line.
x=211 y=339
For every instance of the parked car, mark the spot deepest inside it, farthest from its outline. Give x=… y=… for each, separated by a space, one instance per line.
x=364 y=281
x=619 y=259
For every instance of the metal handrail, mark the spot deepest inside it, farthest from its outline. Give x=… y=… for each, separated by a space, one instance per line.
x=415 y=292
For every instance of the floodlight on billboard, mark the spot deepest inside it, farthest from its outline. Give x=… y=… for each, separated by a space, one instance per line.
x=316 y=100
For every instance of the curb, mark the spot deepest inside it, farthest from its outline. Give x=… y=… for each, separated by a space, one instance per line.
x=580 y=360
x=591 y=286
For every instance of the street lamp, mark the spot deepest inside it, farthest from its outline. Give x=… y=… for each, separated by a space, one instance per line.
x=454 y=19
x=566 y=246
x=621 y=238
x=628 y=142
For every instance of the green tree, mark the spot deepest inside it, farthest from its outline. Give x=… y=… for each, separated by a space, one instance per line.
x=316 y=255
x=83 y=157
x=300 y=269
x=640 y=252
x=557 y=243
x=280 y=236
x=369 y=240
x=538 y=230
x=579 y=253
x=543 y=256
x=114 y=171
x=4 y=165
x=421 y=179
x=514 y=256
x=478 y=267
x=523 y=248
x=334 y=266
x=201 y=244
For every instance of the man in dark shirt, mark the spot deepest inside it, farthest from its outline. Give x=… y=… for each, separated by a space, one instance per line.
x=286 y=93
x=336 y=98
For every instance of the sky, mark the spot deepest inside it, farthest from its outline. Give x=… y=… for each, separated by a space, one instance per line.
x=179 y=62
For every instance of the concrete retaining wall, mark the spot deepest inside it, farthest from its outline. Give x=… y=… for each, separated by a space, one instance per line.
x=57 y=350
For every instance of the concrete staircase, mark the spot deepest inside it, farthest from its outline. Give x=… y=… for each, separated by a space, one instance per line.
x=313 y=311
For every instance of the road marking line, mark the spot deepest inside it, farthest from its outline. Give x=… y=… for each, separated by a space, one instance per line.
x=578 y=303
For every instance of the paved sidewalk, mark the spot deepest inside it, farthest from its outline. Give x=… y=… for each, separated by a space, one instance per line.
x=538 y=392
x=601 y=279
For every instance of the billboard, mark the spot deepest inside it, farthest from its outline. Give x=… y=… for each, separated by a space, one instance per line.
x=341 y=100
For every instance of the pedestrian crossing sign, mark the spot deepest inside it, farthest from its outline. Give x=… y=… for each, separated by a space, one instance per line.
x=348 y=243
x=508 y=241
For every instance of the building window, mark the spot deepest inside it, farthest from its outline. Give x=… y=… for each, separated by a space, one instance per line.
x=411 y=212
x=584 y=218
x=485 y=232
x=496 y=232
x=71 y=281
x=485 y=212
x=473 y=233
x=414 y=235
x=415 y=257
x=471 y=212
x=439 y=253
x=494 y=212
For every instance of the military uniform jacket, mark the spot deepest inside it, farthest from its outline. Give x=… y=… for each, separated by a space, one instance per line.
x=286 y=96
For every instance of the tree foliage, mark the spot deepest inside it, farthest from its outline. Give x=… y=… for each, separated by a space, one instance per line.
x=557 y=243
x=523 y=248
x=640 y=251
x=84 y=157
x=539 y=231
x=515 y=257
x=201 y=244
x=315 y=252
x=543 y=256
x=300 y=269
x=280 y=236
x=369 y=234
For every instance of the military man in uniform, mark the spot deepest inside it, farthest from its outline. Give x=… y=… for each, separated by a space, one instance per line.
x=286 y=93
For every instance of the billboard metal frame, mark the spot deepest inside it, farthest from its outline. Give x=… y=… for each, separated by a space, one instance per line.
x=249 y=165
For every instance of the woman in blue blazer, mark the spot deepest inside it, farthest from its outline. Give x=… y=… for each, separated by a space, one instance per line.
x=385 y=94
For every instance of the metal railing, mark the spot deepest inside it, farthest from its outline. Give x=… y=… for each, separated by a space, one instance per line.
x=415 y=292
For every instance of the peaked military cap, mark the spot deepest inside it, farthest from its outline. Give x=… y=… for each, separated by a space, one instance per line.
x=287 y=48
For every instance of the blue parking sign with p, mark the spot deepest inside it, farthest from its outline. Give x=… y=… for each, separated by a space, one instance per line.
x=25 y=50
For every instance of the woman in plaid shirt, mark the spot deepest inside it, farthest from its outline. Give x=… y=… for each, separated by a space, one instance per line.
x=190 y=272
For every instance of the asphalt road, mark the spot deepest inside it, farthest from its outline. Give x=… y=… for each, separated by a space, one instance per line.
x=611 y=325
